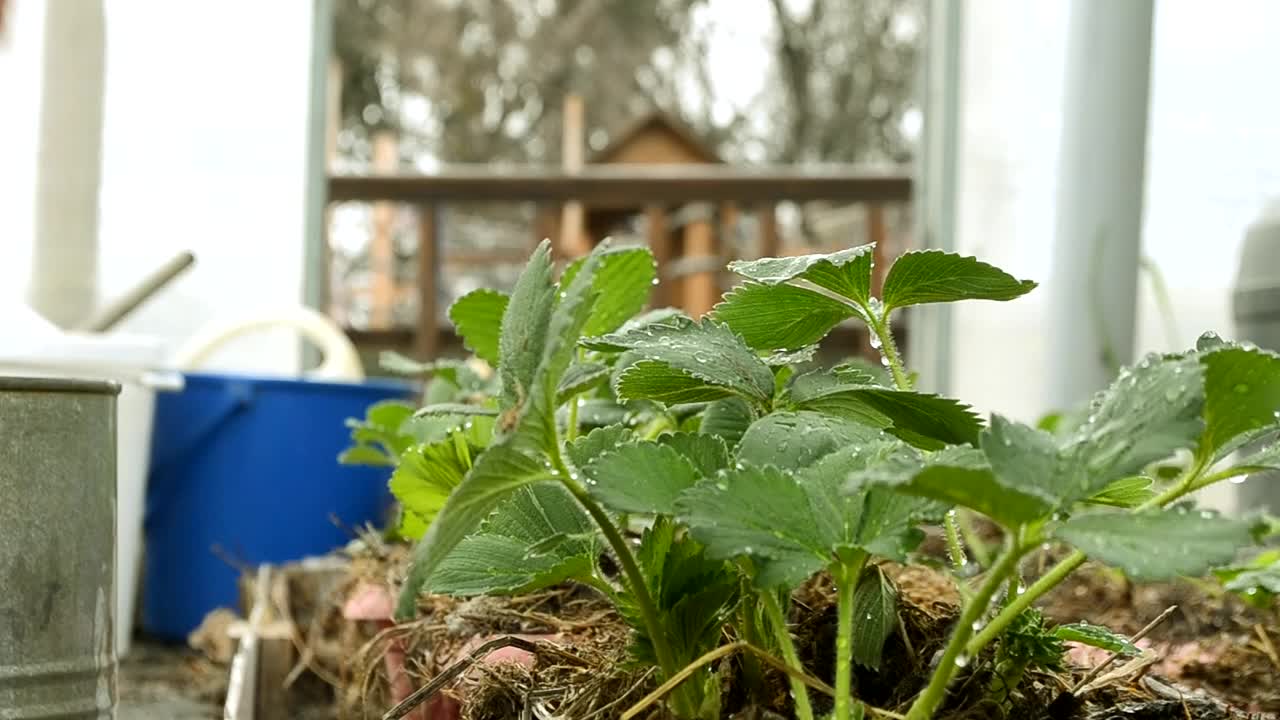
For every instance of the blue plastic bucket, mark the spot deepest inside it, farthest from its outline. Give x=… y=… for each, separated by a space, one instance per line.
x=244 y=469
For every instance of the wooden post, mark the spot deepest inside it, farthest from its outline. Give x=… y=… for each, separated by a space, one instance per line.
x=878 y=234
x=701 y=289
x=572 y=223
x=382 y=256
x=427 y=336
x=728 y=222
x=879 y=266
x=770 y=243
x=659 y=233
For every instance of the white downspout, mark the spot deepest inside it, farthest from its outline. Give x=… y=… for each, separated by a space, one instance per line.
x=1102 y=159
x=936 y=191
x=68 y=163
x=64 y=256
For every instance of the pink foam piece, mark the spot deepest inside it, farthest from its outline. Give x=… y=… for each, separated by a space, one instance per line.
x=506 y=654
x=369 y=602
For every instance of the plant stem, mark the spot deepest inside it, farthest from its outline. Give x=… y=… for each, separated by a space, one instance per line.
x=929 y=700
x=749 y=630
x=1187 y=482
x=981 y=552
x=656 y=427
x=571 y=431
x=846 y=576
x=781 y=634
x=889 y=349
x=955 y=550
x=635 y=581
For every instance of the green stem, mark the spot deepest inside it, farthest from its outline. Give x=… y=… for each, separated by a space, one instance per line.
x=889 y=349
x=952 y=657
x=1024 y=600
x=1187 y=482
x=981 y=553
x=846 y=576
x=750 y=631
x=571 y=432
x=656 y=427
x=782 y=634
x=635 y=579
x=955 y=550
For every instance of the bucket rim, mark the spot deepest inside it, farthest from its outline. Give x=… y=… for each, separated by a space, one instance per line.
x=58 y=385
x=367 y=384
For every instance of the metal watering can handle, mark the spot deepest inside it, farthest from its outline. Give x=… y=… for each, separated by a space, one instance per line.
x=341 y=362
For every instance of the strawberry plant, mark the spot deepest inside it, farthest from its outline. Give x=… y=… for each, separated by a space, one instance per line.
x=751 y=469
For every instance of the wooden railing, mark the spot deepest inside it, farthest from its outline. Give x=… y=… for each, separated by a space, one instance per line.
x=648 y=189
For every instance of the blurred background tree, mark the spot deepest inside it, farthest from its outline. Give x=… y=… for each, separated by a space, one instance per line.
x=484 y=80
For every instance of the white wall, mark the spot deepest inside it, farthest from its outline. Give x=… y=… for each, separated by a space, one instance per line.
x=1213 y=159
x=204 y=149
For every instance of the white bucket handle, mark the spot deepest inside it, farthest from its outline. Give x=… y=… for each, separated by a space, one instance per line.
x=340 y=360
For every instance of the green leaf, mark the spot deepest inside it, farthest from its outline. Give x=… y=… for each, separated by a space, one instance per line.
x=498 y=472
x=579 y=378
x=623 y=280
x=875 y=615
x=587 y=448
x=693 y=592
x=781 y=360
x=659 y=318
x=427 y=474
x=792 y=440
x=1125 y=493
x=709 y=454
x=940 y=419
x=652 y=380
x=1150 y=412
x=727 y=419
x=455 y=409
x=847 y=272
x=1242 y=397
x=537 y=424
x=523 y=339
x=763 y=513
x=383 y=427
x=1029 y=461
x=933 y=276
x=792 y=525
x=1158 y=545
x=388 y=415
x=876 y=520
x=510 y=553
x=1266 y=458
x=478 y=317
x=640 y=477
x=779 y=316
x=688 y=355
x=1096 y=636
x=958 y=476
x=366 y=455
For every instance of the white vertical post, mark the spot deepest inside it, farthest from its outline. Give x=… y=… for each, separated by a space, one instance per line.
x=929 y=350
x=320 y=129
x=1100 y=193
x=64 y=259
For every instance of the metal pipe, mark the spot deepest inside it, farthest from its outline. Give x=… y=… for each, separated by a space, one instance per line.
x=1094 y=278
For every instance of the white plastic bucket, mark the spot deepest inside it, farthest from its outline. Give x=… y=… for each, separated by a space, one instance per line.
x=131 y=361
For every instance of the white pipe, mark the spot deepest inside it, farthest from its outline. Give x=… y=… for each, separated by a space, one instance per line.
x=1094 y=279
x=64 y=258
x=930 y=348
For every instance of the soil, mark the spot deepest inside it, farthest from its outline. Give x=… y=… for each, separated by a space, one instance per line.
x=1214 y=657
